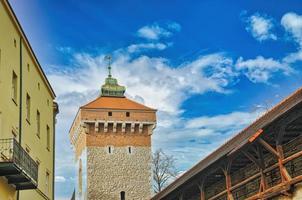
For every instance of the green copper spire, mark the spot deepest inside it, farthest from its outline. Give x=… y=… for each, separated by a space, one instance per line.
x=109 y=58
x=111 y=87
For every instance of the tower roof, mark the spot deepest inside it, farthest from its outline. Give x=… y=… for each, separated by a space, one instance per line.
x=111 y=87
x=112 y=96
x=118 y=103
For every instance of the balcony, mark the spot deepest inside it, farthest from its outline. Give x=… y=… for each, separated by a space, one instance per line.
x=17 y=166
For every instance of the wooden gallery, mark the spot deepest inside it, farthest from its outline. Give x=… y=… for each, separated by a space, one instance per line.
x=263 y=161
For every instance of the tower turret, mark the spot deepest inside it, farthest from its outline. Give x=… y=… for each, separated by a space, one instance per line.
x=111 y=137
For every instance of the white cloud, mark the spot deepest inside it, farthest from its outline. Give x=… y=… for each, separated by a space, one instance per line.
x=261 y=27
x=174 y=26
x=293 y=24
x=60 y=179
x=159 y=84
x=155 y=31
x=200 y=135
x=233 y=120
x=65 y=50
x=293 y=57
x=146 y=46
x=261 y=69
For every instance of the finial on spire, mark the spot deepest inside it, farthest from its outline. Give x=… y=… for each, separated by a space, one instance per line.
x=109 y=58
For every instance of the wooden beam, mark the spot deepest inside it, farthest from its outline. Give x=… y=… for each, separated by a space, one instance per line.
x=278 y=189
x=292 y=157
x=292 y=181
x=252 y=158
x=283 y=171
x=268 y=147
x=256 y=135
x=280 y=135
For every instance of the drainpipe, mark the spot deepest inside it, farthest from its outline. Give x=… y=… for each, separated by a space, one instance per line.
x=55 y=112
x=20 y=102
x=21 y=89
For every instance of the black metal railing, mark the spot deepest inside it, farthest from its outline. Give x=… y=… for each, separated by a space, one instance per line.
x=12 y=152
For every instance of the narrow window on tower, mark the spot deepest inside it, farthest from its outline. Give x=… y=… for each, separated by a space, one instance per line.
x=28 y=108
x=14 y=87
x=123 y=195
x=109 y=113
x=109 y=149
x=127 y=114
x=129 y=150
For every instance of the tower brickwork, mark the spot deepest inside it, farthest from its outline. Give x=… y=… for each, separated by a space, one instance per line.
x=112 y=141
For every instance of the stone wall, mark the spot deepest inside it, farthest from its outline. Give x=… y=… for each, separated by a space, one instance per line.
x=111 y=173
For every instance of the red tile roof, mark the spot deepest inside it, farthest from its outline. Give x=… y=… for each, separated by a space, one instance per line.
x=119 y=103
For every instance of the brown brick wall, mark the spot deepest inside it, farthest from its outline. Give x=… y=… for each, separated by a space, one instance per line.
x=118 y=140
x=100 y=114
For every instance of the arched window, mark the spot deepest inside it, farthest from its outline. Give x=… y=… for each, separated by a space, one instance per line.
x=123 y=195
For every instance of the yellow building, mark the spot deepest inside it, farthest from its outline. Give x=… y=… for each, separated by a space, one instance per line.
x=27 y=117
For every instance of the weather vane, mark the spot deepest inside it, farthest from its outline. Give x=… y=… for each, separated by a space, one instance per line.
x=109 y=58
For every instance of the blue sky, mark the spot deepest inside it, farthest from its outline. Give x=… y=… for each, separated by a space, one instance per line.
x=210 y=67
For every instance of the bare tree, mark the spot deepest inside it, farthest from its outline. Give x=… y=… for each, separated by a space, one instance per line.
x=163 y=169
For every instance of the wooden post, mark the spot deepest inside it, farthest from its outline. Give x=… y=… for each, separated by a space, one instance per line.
x=263 y=182
x=283 y=171
x=228 y=181
x=260 y=164
x=201 y=188
x=278 y=152
x=279 y=140
x=181 y=196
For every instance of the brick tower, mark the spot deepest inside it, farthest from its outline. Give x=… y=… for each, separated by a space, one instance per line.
x=111 y=137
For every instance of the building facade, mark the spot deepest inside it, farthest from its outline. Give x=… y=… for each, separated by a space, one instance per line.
x=27 y=117
x=112 y=142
